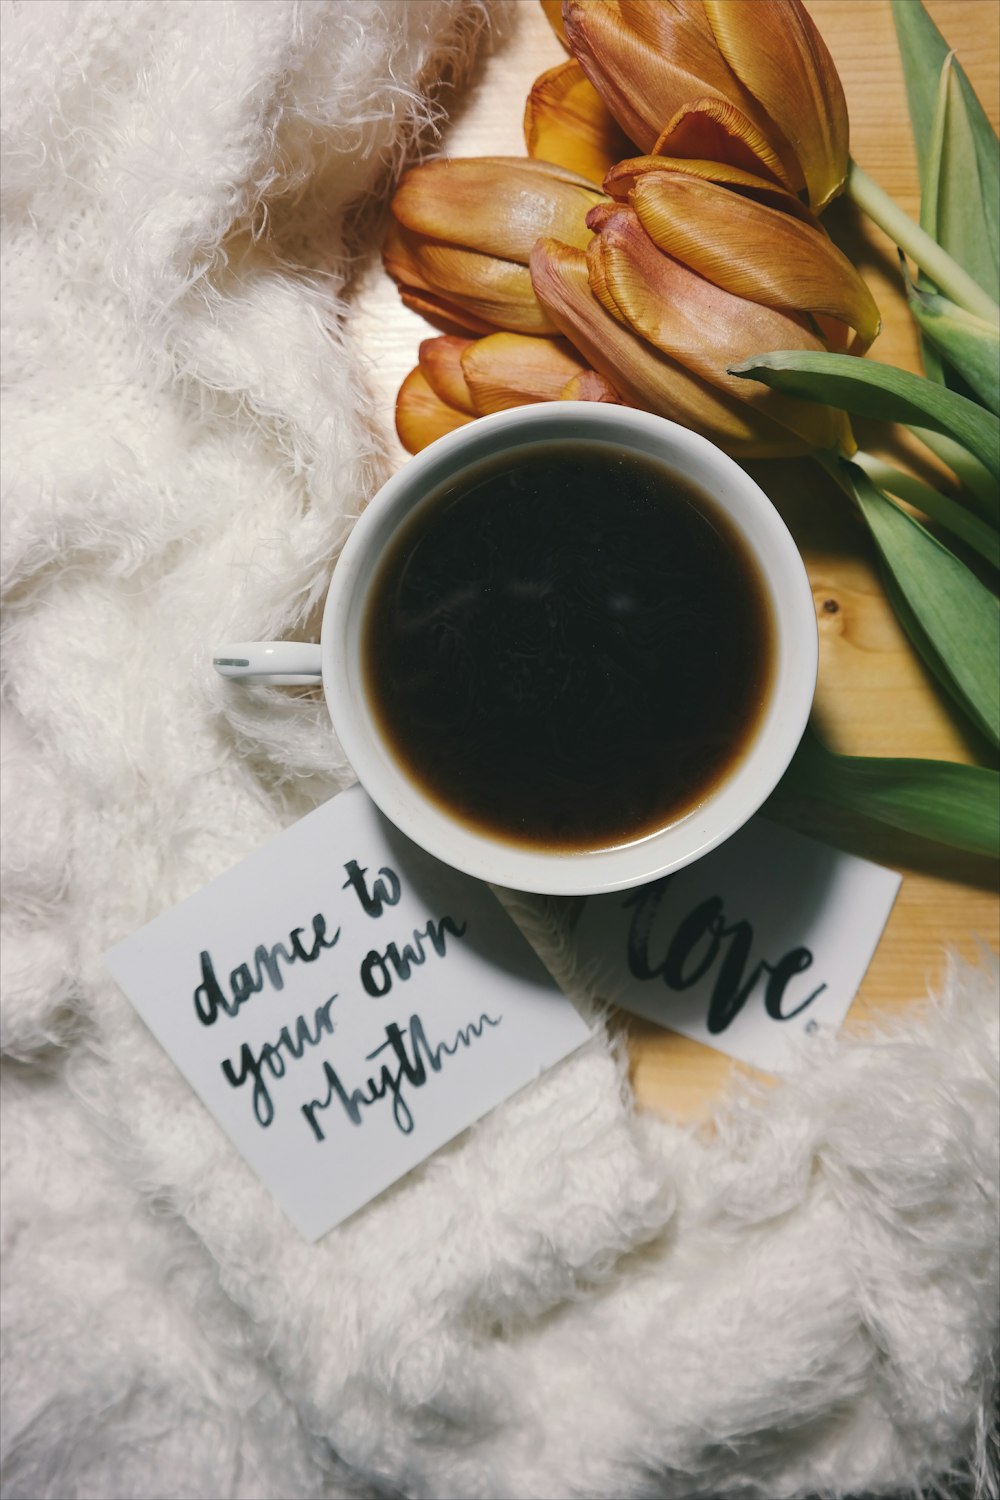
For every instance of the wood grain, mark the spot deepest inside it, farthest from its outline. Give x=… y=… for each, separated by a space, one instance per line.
x=874 y=697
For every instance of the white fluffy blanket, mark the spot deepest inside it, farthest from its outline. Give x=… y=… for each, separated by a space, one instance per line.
x=572 y=1299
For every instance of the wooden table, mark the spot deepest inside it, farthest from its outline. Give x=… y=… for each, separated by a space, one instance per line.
x=874 y=697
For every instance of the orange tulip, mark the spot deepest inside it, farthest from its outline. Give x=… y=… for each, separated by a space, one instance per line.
x=699 y=324
x=777 y=52
x=664 y=337
x=462 y=232
x=642 y=375
x=747 y=82
x=458 y=379
x=757 y=242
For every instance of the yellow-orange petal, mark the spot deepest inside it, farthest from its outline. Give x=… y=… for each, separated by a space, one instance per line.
x=496 y=291
x=754 y=251
x=641 y=375
x=400 y=260
x=421 y=415
x=441 y=361
x=495 y=205
x=469 y=288
x=567 y=122
x=715 y=130
x=648 y=57
x=624 y=175
x=775 y=49
x=703 y=327
x=442 y=313
x=510 y=369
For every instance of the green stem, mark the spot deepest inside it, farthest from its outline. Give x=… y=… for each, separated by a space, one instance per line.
x=977 y=479
x=946 y=274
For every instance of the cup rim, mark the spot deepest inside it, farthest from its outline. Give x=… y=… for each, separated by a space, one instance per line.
x=726 y=808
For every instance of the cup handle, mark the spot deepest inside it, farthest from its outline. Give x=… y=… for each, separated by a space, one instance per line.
x=277 y=663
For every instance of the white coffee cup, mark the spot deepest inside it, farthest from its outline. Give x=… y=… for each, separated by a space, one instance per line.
x=337 y=660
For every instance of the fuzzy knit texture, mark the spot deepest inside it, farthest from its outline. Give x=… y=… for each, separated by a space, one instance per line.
x=574 y=1298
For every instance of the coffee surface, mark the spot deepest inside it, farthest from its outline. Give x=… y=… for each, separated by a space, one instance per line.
x=567 y=647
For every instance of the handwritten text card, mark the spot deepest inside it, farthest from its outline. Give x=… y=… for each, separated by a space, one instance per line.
x=344 y=1004
x=763 y=940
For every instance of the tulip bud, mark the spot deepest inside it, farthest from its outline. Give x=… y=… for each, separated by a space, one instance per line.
x=774 y=252
x=643 y=376
x=462 y=233
x=458 y=379
x=699 y=324
x=647 y=59
x=748 y=82
x=776 y=51
x=663 y=337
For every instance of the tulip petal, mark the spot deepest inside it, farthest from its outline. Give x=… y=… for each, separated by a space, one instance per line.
x=442 y=313
x=399 y=256
x=421 y=416
x=699 y=324
x=776 y=50
x=753 y=251
x=441 y=363
x=624 y=175
x=647 y=59
x=641 y=375
x=567 y=122
x=510 y=369
x=837 y=335
x=715 y=130
x=494 y=205
x=495 y=292
x=590 y=386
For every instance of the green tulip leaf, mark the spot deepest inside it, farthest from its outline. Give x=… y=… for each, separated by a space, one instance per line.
x=947 y=513
x=969 y=344
x=925 y=647
x=870 y=389
x=958 y=154
x=952 y=804
x=953 y=203
x=951 y=617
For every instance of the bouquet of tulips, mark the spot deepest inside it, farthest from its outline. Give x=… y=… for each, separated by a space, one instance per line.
x=660 y=246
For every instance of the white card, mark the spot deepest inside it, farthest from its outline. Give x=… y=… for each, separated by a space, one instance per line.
x=762 y=941
x=345 y=1005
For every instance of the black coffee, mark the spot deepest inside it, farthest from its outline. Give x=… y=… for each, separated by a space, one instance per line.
x=568 y=647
